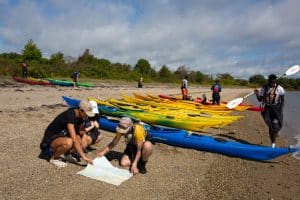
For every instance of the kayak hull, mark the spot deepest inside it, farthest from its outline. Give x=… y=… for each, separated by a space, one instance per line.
x=182 y=138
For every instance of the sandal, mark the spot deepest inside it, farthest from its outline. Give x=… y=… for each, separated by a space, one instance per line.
x=58 y=163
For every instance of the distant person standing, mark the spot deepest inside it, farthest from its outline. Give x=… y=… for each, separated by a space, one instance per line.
x=216 y=89
x=184 y=88
x=140 y=83
x=272 y=97
x=75 y=77
x=24 y=68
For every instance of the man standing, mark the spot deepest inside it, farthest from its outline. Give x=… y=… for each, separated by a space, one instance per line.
x=216 y=89
x=140 y=83
x=75 y=77
x=184 y=88
x=272 y=97
x=24 y=68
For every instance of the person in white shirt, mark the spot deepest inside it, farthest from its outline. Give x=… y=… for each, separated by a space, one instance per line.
x=272 y=98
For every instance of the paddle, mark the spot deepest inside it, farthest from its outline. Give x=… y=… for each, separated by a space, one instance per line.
x=235 y=102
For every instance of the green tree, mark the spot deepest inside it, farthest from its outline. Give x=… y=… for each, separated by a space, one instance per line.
x=257 y=79
x=87 y=58
x=57 y=58
x=199 y=77
x=181 y=71
x=164 y=72
x=143 y=67
x=31 y=51
x=226 y=79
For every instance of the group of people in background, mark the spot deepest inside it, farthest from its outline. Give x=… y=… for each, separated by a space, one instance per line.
x=69 y=135
x=215 y=88
x=24 y=66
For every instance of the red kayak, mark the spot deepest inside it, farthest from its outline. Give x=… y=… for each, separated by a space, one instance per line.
x=30 y=81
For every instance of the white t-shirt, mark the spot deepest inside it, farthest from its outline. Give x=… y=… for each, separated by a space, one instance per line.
x=273 y=94
x=184 y=83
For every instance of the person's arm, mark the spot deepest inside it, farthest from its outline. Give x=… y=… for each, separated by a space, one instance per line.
x=258 y=97
x=110 y=146
x=96 y=124
x=77 y=143
x=138 y=155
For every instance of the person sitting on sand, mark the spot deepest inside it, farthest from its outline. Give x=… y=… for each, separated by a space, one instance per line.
x=204 y=100
x=62 y=135
x=138 y=146
x=91 y=133
x=272 y=97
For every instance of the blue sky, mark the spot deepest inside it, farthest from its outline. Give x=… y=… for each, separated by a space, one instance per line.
x=242 y=38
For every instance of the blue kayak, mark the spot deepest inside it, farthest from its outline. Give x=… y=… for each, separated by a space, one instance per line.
x=182 y=138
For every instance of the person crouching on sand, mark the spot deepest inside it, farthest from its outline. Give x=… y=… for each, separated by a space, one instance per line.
x=138 y=146
x=63 y=135
x=90 y=129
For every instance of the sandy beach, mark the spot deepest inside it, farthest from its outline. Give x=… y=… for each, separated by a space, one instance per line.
x=173 y=172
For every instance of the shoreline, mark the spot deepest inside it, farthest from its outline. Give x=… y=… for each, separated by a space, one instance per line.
x=173 y=172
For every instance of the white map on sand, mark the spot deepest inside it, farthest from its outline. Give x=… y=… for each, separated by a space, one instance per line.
x=104 y=171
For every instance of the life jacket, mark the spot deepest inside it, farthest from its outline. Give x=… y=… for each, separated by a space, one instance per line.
x=131 y=137
x=270 y=95
x=216 y=88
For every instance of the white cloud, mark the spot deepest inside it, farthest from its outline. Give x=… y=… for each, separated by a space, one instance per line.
x=243 y=37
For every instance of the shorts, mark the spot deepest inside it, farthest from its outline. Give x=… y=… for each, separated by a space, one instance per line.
x=131 y=149
x=184 y=91
x=94 y=134
x=46 y=141
x=273 y=117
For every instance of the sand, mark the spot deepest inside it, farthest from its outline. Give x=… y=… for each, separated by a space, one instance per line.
x=173 y=173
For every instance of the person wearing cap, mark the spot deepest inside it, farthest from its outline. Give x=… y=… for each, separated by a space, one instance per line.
x=91 y=133
x=138 y=146
x=272 y=97
x=62 y=135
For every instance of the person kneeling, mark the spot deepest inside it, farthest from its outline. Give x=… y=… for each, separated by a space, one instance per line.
x=138 y=146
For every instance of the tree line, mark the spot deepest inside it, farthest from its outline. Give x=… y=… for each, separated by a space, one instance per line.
x=92 y=67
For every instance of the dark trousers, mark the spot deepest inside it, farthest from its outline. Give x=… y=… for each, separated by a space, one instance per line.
x=24 y=72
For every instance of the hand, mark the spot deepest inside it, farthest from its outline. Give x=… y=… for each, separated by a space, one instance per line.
x=256 y=91
x=100 y=154
x=88 y=160
x=134 y=170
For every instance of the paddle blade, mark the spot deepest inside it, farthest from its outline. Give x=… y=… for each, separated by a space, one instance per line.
x=292 y=70
x=234 y=103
